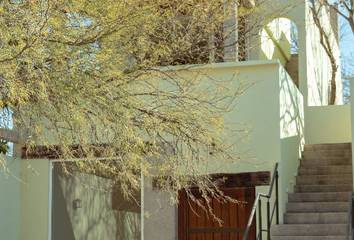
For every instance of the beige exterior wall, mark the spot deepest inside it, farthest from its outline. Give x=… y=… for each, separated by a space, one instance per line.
x=95 y=219
x=292 y=130
x=274 y=109
x=314 y=64
x=328 y=124
x=351 y=81
x=318 y=63
x=34 y=200
x=160 y=216
x=10 y=200
x=275 y=41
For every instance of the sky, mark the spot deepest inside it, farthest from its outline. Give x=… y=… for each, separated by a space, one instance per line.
x=347 y=47
x=346 y=43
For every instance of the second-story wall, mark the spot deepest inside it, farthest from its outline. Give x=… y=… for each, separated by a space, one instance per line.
x=314 y=65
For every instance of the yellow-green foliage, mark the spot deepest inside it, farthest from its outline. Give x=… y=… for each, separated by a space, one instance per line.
x=96 y=73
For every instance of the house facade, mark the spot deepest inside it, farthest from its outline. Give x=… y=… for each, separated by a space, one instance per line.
x=287 y=108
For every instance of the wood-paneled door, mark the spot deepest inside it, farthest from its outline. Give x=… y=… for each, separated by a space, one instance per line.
x=196 y=224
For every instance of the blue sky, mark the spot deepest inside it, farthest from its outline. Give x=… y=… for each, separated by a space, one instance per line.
x=347 y=47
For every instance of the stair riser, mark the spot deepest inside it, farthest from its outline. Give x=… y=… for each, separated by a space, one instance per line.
x=317 y=207
x=315 y=218
x=309 y=230
x=326 y=154
x=333 y=146
x=309 y=237
x=323 y=188
x=319 y=197
x=326 y=162
x=324 y=179
x=325 y=170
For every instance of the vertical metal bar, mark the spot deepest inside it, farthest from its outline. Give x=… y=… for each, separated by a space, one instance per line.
x=253 y=212
x=350 y=212
x=351 y=193
x=277 y=196
x=260 y=217
x=268 y=219
x=352 y=209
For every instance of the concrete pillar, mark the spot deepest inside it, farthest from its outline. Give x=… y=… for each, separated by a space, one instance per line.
x=159 y=216
x=230 y=33
x=351 y=82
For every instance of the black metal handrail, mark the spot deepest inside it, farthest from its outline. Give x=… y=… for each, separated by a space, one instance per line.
x=258 y=202
x=350 y=216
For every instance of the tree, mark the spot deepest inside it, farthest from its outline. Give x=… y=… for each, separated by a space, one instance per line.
x=92 y=75
x=317 y=9
x=124 y=84
x=345 y=9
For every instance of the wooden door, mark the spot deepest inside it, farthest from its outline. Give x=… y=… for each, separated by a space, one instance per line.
x=196 y=224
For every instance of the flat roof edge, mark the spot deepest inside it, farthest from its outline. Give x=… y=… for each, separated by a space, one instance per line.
x=222 y=65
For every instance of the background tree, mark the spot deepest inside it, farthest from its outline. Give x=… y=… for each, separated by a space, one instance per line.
x=345 y=9
x=317 y=9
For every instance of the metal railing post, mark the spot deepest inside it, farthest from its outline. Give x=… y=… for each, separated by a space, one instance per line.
x=268 y=219
x=260 y=217
x=277 y=197
x=270 y=216
x=350 y=215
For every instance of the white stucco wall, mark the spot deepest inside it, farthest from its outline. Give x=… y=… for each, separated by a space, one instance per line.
x=292 y=126
x=318 y=63
x=278 y=30
x=351 y=82
x=274 y=109
x=328 y=124
x=10 y=200
x=34 y=200
x=95 y=219
x=314 y=64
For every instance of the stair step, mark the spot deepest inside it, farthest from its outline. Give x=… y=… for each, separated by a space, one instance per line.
x=308 y=230
x=325 y=161
x=328 y=146
x=324 y=179
x=317 y=207
x=323 y=170
x=318 y=210
x=319 y=197
x=313 y=218
x=326 y=153
x=323 y=188
x=338 y=237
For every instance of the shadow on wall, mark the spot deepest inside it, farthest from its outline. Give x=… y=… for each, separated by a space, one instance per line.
x=291 y=134
x=291 y=108
x=92 y=217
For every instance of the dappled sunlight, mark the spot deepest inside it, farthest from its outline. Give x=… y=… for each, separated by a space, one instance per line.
x=319 y=66
x=291 y=107
x=275 y=40
x=93 y=218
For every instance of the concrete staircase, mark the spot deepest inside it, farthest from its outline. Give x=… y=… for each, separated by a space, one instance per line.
x=319 y=207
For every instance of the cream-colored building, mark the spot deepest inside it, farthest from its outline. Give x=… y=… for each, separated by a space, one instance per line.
x=287 y=108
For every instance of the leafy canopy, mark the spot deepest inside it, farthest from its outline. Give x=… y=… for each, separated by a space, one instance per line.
x=109 y=77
